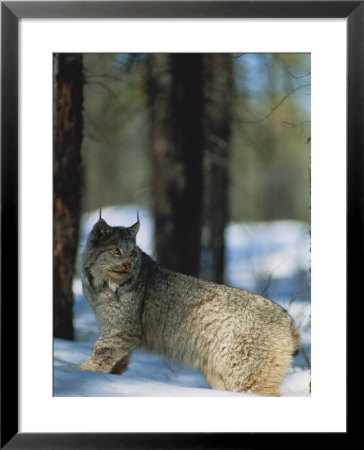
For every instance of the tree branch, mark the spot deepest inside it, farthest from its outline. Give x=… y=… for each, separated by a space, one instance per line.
x=287 y=124
x=276 y=106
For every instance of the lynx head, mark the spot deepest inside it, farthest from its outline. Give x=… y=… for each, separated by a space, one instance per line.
x=111 y=256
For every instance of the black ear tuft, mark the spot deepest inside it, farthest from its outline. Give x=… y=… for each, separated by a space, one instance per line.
x=100 y=230
x=134 y=228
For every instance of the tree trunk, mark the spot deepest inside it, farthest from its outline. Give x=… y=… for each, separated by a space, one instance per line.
x=218 y=95
x=66 y=188
x=190 y=99
x=175 y=100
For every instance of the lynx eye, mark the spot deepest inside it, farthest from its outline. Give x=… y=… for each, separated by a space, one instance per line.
x=133 y=253
x=116 y=252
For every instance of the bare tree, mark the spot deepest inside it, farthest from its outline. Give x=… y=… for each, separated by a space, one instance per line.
x=218 y=98
x=176 y=137
x=66 y=187
x=190 y=99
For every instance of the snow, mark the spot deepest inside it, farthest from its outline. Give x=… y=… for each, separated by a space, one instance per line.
x=269 y=258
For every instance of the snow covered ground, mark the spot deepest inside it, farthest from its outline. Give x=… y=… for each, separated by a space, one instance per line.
x=272 y=259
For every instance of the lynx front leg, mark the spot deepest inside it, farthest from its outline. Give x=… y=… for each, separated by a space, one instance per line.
x=110 y=355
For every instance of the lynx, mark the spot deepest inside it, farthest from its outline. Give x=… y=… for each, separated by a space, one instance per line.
x=240 y=341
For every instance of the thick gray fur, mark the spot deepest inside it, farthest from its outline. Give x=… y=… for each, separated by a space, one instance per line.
x=240 y=341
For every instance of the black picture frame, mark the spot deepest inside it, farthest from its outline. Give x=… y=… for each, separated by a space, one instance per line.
x=11 y=13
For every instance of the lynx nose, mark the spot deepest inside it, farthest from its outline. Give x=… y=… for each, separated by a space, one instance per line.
x=126 y=267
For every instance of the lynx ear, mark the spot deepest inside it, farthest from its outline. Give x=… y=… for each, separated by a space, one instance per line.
x=135 y=228
x=100 y=230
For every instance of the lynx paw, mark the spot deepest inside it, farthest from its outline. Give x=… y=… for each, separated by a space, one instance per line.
x=89 y=366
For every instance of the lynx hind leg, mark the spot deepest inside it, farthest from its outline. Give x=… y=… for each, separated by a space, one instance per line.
x=258 y=372
x=261 y=387
x=262 y=381
x=273 y=369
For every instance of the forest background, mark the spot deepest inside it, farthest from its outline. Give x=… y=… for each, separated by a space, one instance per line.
x=200 y=140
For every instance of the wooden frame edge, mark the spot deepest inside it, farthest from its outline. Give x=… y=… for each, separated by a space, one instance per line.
x=11 y=13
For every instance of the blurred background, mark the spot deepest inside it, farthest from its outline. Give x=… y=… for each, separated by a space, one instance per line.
x=212 y=149
x=267 y=162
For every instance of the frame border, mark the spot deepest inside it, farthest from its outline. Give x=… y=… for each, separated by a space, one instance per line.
x=11 y=12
